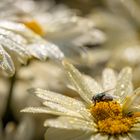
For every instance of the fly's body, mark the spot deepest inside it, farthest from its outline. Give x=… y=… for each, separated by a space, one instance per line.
x=104 y=97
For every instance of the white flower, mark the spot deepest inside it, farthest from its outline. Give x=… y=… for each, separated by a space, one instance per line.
x=90 y=119
x=18 y=44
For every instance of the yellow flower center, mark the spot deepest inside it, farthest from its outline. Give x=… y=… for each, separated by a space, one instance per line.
x=110 y=119
x=34 y=26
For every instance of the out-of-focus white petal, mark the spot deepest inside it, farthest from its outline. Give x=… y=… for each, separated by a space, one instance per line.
x=40 y=48
x=22 y=133
x=62 y=134
x=44 y=50
x=14 y=36
x=37 y=51
x=124 y=84
x=70 y=123
x=132 y=103
x=14 y=48
x=61 y=108
x=53 y=51
x=6 y=62
x=20 y=29
x=78 y=81
x=109 y=79
x=91 y=37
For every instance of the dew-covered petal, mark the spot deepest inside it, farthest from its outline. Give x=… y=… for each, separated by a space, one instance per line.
x=92 y=85
x=124 y=84
x=99 y=136
x=63 y=109
x=70 y=123
x=43 y=110
x=109 y=79
x=71 y=103
x=67 y=102
x=62 y=134
x=78 y=81
x=6 y=62
x=132 y=103
x=14 y=48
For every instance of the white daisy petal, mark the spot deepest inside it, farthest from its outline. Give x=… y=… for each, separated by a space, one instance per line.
x=71 y=87
x=99 y=136
x=78 y=81
x=113 y=138
x=42 y=110
x=136 y=125
x=109 y=79
x=53 y=51
x=68 y=102
x=133 y=129
x=134 y=108
x=62 y=134
x=124 y=137
x=13 y=47
x=15 y=37
x=40 y=48
x=135 y=135
x=6 y=62
x=70 y=123
x=71 y=103
x=20 y=29
x=44 y=50
x=124 y=84
x=92 y=85
x=132 y=102
x=84 y=136
x=37 y=51
x=60 y=108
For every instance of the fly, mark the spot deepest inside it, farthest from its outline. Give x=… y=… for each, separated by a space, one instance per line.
x=104 y=97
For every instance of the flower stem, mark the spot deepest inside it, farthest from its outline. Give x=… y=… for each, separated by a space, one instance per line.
x=8 y=115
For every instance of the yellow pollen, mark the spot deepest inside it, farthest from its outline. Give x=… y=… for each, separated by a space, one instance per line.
x=110 y=119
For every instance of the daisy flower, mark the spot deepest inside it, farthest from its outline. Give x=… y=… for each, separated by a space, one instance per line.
x=18 y=44
x=99 y=114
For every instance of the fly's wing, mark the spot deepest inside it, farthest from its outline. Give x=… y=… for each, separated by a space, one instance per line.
x=110 y=95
